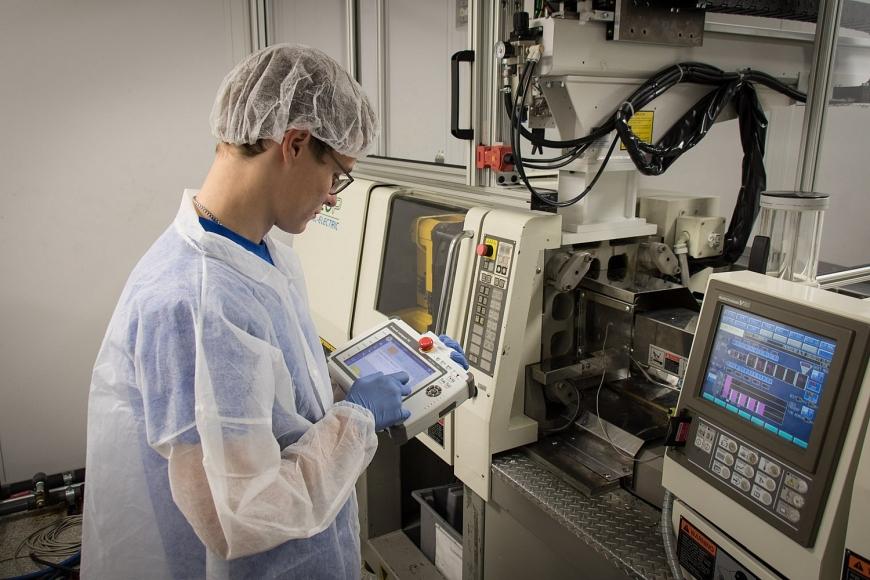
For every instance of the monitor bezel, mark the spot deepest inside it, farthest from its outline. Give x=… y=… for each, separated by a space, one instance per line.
x=831 y=408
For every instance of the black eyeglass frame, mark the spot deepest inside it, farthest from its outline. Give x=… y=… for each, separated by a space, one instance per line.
x=341 y=184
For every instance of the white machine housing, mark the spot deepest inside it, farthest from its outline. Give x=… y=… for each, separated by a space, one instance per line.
x=761 y=531
x=494 y=420
x=437 y=383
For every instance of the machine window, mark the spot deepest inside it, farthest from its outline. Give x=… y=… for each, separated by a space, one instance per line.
x=415 y=258
x=770 y=374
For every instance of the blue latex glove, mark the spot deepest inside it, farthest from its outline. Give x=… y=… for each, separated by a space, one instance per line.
x=382 y=395
x=458 y=355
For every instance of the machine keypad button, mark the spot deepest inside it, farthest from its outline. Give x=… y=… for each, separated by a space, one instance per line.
x=765 y=482
x=761 y=495
x=796 y=483
x=794 y=498
x=744 y=468
x=740 y=482
x=721 y=470
x=770 y=468
x=748 y=455
x=706 y=432
x=703 y=444
x=788 y=512
x=725 y=457
x=728 y=443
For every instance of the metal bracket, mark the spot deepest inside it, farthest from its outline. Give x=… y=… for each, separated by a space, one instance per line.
x=671 y=22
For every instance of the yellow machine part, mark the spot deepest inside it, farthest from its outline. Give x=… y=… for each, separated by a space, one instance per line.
x=421 y=232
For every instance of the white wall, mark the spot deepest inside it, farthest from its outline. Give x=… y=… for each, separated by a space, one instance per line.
x=104 y=114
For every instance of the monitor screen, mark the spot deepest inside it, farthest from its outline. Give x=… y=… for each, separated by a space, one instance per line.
x=770 y=374
x=389 y=355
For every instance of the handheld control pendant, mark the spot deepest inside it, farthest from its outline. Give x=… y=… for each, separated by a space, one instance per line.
x=437 y=383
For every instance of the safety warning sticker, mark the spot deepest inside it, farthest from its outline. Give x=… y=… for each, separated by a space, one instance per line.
x=641 y=124
x=667 y=361
x=855 y=567
x=704 y=559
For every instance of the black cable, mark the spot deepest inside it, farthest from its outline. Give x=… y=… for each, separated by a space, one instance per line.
x=519 y=165
x=655 y=159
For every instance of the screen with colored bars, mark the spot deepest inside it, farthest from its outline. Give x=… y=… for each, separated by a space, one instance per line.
x=389 y=355
x=770 y=374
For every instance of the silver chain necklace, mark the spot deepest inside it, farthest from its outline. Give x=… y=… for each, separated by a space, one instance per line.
x=206 y=211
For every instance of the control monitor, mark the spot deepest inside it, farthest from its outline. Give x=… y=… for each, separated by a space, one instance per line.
x=775 y=396
x=438 y=384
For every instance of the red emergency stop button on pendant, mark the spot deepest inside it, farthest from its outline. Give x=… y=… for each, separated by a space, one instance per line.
x=426 y=343
x=484 y=250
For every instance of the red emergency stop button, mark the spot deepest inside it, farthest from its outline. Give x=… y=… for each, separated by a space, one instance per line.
x=485 y=250
x=426 y=343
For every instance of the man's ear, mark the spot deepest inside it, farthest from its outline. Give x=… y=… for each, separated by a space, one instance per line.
x=295 y=140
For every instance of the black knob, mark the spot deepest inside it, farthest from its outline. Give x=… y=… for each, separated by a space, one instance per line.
x=521 y=22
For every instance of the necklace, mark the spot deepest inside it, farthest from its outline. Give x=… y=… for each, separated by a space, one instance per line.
x=206 y=211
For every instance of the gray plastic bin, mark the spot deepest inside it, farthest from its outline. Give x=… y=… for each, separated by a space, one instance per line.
x=442 y=505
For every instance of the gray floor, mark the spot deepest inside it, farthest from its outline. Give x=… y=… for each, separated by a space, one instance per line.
x=15 y=528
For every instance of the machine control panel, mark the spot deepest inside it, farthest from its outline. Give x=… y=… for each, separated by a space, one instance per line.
x=757 y=477
x=492 y=275
x=437 y=383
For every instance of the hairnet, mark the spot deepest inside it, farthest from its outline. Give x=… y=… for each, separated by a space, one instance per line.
x=293 y=87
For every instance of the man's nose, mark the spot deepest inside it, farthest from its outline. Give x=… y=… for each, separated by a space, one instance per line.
x=331 y=200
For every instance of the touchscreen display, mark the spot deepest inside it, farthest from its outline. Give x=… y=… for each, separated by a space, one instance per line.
x=389 y=355
x=770 y=374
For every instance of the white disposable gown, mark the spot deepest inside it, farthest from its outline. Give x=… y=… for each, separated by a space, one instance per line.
x=214 y=446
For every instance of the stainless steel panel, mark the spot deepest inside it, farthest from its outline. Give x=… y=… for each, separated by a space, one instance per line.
x=616 y=525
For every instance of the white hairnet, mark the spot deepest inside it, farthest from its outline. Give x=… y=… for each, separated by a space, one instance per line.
x=289 y=86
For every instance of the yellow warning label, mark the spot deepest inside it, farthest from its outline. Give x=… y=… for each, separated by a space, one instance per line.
x=641 y=124
x=326 y=345
x=857 y=567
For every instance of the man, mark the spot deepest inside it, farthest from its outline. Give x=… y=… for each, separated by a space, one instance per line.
x=214 y=445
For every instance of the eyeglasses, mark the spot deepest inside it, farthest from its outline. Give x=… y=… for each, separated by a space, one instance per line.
x=341 y=182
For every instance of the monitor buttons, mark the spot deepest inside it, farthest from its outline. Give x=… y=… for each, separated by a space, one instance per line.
x=744 y=468
x=740 y=482
x=433 y=390
x=727 y=443
x=725 y=457
x=796 y=483
x=721 y=470
x=761 y=495
x=769 y=467
x=765 y=482
x=748 y=455
x=793 y=497
x=788 y=512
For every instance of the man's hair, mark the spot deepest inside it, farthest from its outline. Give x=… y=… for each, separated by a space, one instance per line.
x=253 y=149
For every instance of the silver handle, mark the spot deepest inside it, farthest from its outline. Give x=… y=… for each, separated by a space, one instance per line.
x=449 y=279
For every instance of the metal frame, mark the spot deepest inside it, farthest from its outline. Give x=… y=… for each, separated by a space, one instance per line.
x=382 y=75
x=351 y=20
x=261 y=21
x=844 y=278
x=819 y=92
x=487 y=19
